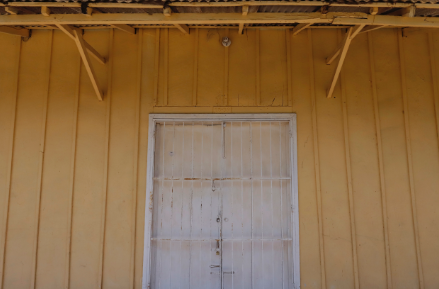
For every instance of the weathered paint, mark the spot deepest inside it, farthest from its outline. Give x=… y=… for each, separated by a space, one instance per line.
x=73 y=169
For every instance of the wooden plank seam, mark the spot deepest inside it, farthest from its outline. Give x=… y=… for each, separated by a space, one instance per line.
x=410 y=159
x=316 y=162
x=381 y=163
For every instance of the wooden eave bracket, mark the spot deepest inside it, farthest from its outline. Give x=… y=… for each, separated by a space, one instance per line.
x=69 y=30
x=356 y=31
x=343 y=50
x=84 y=50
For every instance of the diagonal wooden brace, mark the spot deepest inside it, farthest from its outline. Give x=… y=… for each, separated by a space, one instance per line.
x=69 y=30
x=80 y=43
x=344 y=50
x=357 y=29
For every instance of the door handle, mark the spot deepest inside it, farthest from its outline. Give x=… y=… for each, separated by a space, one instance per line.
x=231 y=272
x=215 y=266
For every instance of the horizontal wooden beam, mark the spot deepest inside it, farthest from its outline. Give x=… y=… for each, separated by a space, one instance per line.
x=19 y=32
x=396 y=21
x=175 y=18
x=334 y=18
x=71 y=33
x=224 y=4
x=48 y=4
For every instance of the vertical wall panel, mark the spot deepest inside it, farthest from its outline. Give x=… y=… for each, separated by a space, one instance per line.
x=336 y=225
x=119 y=228
x=89 y=194
x=364 y=166
x=242 y=69
x=424 y=148
x=146 y=98
x=309 y=226
x=273 y=61
x=210 y=67
x=54 y=235
x=401 y=238
x=28 y=157
x=111 y=148
x=181 y=48
x=9 y=72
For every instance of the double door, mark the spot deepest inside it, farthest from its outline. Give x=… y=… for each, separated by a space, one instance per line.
x=222 y=213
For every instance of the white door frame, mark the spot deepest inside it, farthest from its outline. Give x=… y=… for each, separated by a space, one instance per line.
x=154 y=118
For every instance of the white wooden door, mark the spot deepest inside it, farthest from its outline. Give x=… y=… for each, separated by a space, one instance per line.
x=222 y=207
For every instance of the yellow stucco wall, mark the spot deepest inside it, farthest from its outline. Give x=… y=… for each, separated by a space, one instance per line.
x=73 y=169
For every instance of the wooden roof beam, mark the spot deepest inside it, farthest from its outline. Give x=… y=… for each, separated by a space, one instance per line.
x=176 y=18
x=223 y=4
x=344 y=50
x=339 y=18
x=80 y=43
x=218 y=4
x=19 y=32
x=354 y=33
x=389 y=20
x=70 y=32
x=47 y=4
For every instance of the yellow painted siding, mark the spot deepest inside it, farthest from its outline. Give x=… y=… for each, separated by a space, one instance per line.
x=73 y=169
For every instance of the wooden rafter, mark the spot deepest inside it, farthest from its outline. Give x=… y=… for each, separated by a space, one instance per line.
x=80 y=43
x=345 y=46
x=409 y=11
x=45 y=11
x=244 y=13
x=300 y=27
x=10 y=30
x=70 y=32
x=374 y=10
x=11 y=10
x=355 y=32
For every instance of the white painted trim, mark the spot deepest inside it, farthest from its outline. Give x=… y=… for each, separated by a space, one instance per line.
x=154 y=118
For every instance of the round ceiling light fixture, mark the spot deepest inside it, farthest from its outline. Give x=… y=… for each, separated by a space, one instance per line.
x=226 y=41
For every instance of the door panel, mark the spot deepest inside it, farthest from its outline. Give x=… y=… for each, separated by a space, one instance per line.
x=222 y=206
